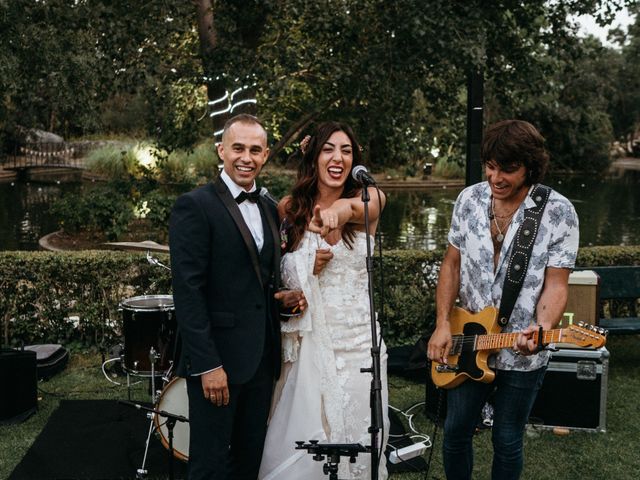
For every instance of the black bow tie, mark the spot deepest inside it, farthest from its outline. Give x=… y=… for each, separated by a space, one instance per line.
x=251 y=196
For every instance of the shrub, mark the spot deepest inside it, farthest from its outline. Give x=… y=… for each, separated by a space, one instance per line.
x=279 y=183
x=191 y=168
x=116 y=162
x=102 y=210
x=41 y=292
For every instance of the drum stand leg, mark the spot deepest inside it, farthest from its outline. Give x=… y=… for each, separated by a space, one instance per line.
x=153 y=357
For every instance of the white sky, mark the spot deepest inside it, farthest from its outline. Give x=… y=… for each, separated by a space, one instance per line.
x=589 y=26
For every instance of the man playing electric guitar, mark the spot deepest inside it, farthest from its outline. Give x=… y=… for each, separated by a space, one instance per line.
x=482 y=261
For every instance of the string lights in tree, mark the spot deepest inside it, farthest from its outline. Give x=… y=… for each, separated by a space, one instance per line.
x=228 y=102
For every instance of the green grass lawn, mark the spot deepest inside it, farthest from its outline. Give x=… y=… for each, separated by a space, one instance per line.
x=579 y=455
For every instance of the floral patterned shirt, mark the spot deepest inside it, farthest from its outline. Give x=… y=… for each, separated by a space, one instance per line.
x=556 y=246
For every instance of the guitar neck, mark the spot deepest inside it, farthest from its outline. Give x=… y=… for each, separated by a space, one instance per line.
x=494 y=341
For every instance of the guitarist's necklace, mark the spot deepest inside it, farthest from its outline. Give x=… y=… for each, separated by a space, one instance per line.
x=506 y=219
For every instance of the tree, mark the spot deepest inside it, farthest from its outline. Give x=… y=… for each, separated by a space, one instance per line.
x=395 y=70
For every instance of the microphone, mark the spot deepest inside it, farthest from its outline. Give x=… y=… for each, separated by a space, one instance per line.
x=264 y=193
x=361 y=175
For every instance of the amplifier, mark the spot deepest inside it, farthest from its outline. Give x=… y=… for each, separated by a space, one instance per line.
x=583 y=300
x=574 y=391
x=19 y=381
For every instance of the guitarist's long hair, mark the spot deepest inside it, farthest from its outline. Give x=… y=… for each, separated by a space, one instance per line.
x=516 y=142
x=299 y=209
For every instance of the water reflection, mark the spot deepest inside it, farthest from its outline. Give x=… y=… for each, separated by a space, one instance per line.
x=417 y=219
x=608 y=208
x=24 y=213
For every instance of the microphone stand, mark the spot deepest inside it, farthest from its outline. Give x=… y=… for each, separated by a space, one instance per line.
x=376 y=383
x=172 y=419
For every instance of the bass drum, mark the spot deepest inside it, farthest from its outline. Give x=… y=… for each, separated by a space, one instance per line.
x=174 y=399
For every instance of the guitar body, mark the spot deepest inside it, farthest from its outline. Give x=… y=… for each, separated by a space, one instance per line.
x=467 y=362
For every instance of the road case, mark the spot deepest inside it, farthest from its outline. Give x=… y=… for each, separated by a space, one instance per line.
x=574 y=391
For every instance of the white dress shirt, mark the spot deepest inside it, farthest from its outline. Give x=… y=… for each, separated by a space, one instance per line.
x=250 y=211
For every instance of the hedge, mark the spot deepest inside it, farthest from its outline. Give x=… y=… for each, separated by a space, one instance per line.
x=73 y=297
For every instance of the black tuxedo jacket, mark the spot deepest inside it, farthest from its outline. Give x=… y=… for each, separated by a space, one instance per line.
x=224 y=306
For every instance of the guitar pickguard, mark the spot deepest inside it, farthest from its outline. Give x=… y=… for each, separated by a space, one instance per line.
x=467 y=361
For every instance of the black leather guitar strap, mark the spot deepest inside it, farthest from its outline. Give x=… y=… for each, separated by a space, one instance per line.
x=521 y=253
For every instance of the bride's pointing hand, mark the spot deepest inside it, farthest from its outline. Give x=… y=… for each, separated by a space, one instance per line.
x=323 y=221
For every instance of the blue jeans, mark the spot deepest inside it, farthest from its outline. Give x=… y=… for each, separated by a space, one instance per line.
x=514 y=394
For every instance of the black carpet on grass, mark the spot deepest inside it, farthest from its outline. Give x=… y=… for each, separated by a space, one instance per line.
x=95 y=440
x=105 y=440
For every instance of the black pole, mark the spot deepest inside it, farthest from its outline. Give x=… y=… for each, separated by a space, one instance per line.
x=171 y=422
x=376 y=383
x=475 y=101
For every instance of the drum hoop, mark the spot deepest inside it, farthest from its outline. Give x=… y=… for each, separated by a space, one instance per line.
x=158 y=424
x=155 y=308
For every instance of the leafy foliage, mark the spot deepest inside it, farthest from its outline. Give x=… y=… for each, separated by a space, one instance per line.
x=395 y=70
x=41 y=293
x=142 y=185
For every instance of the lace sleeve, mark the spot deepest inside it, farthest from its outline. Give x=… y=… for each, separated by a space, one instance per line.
x=297 y=273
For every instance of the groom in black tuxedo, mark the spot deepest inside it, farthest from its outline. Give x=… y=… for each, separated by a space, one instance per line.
x=225 y=258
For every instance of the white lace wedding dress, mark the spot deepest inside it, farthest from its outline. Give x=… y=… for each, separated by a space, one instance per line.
x=321 y=394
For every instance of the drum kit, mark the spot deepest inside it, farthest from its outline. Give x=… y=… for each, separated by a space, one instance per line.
x=150 y=347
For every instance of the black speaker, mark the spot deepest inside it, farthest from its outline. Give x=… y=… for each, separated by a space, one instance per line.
x=18 y=377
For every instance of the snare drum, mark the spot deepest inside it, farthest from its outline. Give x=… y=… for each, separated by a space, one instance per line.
x=174 y=399
x=149 y=322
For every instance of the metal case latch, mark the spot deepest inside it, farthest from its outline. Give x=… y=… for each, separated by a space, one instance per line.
x=586 y=370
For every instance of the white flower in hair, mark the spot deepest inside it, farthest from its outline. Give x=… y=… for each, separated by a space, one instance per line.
x=304 y=144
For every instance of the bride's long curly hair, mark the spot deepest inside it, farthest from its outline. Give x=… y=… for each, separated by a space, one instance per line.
x=299 y=209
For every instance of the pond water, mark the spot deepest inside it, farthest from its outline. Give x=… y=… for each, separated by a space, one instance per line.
x=24 y=213
x=608 y=208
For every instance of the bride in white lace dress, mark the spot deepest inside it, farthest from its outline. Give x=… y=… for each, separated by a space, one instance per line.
x=322 y=394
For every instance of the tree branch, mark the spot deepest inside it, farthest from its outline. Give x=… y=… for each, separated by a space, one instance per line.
x=295 y=129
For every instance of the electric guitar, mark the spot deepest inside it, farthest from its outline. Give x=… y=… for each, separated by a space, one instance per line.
x=476 y=336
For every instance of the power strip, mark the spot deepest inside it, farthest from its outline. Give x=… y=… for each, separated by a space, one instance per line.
x=406 y=453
